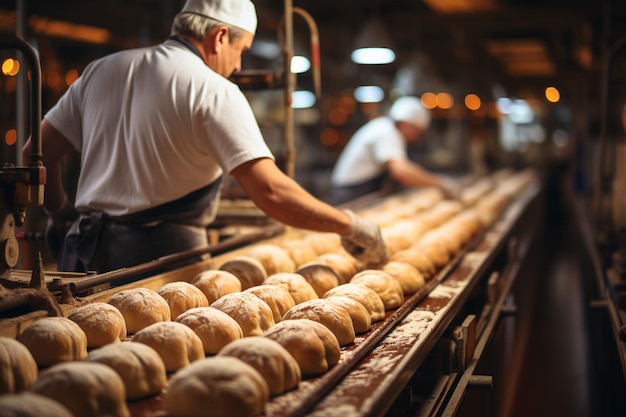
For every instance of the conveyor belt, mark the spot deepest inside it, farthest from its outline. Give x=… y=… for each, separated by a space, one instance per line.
x=377 y=364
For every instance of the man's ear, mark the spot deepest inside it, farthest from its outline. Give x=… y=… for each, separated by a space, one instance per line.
x=218 y=39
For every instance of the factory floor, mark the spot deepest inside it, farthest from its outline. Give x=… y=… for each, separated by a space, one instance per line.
x=560 y=374
x=555 y=379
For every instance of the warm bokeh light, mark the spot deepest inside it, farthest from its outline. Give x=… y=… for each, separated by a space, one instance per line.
x=348 y=104
x=472 y=101
x=329 y=137
x=445 y=100
x=70 y=77
x=10 y=137
x=337 y=116
x=552 y=94
x=53 y=79
x=429 y=100
x=10 y=67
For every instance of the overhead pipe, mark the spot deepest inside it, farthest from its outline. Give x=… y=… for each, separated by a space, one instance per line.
x=286 y=41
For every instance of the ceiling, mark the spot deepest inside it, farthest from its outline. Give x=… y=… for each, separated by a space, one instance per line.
x=490 y=47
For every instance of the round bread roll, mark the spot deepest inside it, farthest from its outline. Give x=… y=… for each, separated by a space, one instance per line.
x=177 y=345
x=140 y=307
x=331 y=315
x=87 y=389
x=273 y=258
x=275 y=364
x=361 y=319
x=458 y=229
x=276 y=297
x=410 y=279
x=342 y=263
x=418 y=259
x=54 y=339
x=141 y=368
x=214 y=327
x=29 y=404
x=220 y=386
x=397 y=239
x=101 y=322
x=215 y=283
x=312 y=344
x=321 y=277
x=250 y=271
x=18 y=369
x=364 y=295
x=298 y=287
x=181 y=296
x=253 y=314
x=324 y=242
x=384 y=284
x=299 y=251
x=436 y=252
x=451 y=245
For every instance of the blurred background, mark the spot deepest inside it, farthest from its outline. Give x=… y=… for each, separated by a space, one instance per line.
x=510 y=82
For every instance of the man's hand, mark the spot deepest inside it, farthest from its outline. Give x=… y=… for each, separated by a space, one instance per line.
x=365 y=242
x=58 y=224
x=450 y=188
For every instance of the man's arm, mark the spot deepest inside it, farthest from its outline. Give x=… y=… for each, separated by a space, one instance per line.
x=283 y=199
x=54 y=145
x=410 y=174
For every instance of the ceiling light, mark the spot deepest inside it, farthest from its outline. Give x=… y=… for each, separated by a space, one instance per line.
x=369 y=94
x=373 y=56
x=302 y=99
x=373 y=45
x=300 y=64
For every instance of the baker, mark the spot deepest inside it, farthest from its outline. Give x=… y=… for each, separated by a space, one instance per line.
x=157 y=129
x=376 y=155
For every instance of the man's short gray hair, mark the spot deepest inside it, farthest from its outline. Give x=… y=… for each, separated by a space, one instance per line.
x=198 y=26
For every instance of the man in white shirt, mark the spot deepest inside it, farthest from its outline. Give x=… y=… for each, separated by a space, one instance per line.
x=377 y=153
x=157 y=128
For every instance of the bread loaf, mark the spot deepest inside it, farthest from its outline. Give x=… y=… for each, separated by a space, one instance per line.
x=214 y=327
x=177 y=344
x=220 y=386
x=54 y=339
x=101 y=322
x=140 y=307
x=275 y=364
x=18 y=369
x=86 y=389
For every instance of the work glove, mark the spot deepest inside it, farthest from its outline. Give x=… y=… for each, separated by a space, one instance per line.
x=365 y=242
x=57 y=226
x=451 y=189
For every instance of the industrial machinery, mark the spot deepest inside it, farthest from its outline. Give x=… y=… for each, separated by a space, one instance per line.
x=21 y=186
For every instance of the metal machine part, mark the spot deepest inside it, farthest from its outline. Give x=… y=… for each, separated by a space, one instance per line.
x=21 y=186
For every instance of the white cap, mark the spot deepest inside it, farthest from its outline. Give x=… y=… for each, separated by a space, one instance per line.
x=410 y=109
x=237 y=13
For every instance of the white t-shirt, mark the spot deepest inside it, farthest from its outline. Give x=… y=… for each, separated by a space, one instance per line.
x=364 y=157
x=152 y=125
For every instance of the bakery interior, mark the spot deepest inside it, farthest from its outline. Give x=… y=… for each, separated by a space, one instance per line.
x=526 y=315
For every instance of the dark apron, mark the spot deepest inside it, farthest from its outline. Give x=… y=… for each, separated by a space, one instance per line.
x=340 y=195
x=101 y=243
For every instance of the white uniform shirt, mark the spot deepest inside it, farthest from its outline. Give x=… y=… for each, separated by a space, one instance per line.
x=364 y=157
x=154 y=124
